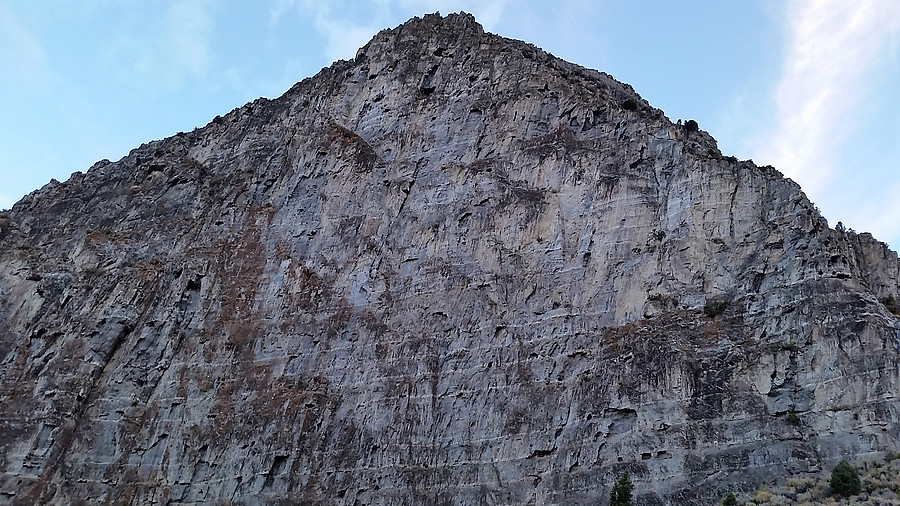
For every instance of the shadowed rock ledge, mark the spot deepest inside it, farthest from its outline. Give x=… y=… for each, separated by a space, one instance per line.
x=454 y=270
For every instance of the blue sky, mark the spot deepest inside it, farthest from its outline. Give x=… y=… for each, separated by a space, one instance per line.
x=809 y=86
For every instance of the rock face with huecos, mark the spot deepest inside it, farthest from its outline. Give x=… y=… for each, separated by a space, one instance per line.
x=454 y=270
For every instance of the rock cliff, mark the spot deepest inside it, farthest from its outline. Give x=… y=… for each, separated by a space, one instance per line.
x=454 y=270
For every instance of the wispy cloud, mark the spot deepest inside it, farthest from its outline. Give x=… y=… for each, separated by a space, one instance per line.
x=279 y=8
x=833 y=45
x=21 y=55
x=6 y=201
x=343 y=24
x=488 y=12
x=164 y=48
x=883 y=220
x=188 y=27
x=346 y=26
x=344 y=35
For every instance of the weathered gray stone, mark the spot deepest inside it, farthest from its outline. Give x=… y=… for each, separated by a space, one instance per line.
x=453 y=270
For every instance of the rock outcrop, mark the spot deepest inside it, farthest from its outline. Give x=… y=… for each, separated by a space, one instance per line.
x=455 y=269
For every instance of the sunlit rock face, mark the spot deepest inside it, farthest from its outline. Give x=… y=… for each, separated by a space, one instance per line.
x=453 y=270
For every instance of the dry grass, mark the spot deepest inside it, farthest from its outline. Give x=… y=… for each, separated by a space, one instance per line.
x=880 y=482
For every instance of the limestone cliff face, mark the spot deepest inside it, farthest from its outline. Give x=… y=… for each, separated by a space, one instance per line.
x=453 y=270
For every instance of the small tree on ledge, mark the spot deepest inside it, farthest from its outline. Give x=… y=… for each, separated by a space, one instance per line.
x=729 y=500
x=621 y=492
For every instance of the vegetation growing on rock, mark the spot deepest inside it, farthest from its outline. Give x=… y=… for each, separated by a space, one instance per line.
x=621 y=491
x=845 y=480
x=871 y=483
x=715 y=307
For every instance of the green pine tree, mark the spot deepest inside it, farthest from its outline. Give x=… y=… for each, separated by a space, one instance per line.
x=730 y=500
x=621 y=492
x=845 y=480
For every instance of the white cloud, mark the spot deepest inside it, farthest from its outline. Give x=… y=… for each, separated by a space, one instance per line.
x=343 y=36
x=280 y=8
x=188 y=27
x=347 y=26
x=488 y=12
x=336 y=21
x=163 y=48
x=21 y=54
x=833 y=46
x=6 y=202
x=883 y=221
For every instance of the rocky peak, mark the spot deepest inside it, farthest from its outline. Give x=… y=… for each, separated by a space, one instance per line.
x=453 y=269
